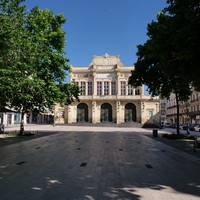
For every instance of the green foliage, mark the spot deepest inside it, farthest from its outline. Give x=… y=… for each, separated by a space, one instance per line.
x=72 y=91
x=168 y=61
x=32 y=63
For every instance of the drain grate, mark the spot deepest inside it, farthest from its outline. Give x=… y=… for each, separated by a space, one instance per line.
x=20 y=163
x=149 y=166
x=78 y=148
x=121 y=150
x=83 y=164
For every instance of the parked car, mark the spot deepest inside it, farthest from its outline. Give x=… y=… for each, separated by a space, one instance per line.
x=197 y=128
x=183 y=126
x=167 y=124
x=173 y=125
x=191 y=127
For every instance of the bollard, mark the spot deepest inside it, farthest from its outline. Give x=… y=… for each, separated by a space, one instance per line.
x=155 y=133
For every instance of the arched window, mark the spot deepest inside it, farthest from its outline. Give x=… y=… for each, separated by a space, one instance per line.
x=130 y=113
x=82 y=112
x=106 y=112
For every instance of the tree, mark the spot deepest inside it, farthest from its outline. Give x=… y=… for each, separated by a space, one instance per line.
x=32 y=63
x=162 y=62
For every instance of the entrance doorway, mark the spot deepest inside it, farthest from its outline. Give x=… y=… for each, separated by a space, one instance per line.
x=106 y=112
x=82 y=112
x=130 y=113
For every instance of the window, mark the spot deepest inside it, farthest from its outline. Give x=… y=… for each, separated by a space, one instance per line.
x=89 y=88
x=163 y=105
x=150 y=113
x=82 y=88
x=99 y=88
x=106 y=88
x=137 y=91
x=76 y=83
x=123 y=88
x=130 y=90
x=17 y=118
x=113 y=88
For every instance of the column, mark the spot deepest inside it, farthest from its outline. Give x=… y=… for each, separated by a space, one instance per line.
x=126 y=92
x=4 y=119
x=94 y=85
x=118 y=112
x=142 y=90
x=86 y=88
x=94 y=120
x=134 y=91
x=69 y=117
x=117 y=85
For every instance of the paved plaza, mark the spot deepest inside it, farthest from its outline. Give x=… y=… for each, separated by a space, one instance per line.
x=96 y=163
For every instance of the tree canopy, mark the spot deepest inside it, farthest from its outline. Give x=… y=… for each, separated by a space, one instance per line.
x=33 y=66
x=168 y=62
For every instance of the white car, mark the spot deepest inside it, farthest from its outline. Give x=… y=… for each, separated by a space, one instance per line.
x=197 y=128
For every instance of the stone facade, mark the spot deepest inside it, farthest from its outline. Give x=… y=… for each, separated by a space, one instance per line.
x=189 y=111
x=106 y=96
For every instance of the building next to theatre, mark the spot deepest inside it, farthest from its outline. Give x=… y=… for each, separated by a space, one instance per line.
x=105 y=95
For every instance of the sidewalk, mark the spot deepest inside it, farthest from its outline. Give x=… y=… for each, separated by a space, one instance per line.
x=90 y=163
x=45 y=130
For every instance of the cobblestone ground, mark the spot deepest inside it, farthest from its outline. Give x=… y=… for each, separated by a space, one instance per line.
x=90 y=163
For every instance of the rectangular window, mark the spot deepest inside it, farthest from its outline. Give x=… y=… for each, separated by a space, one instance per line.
x=113 y=88
x=76 y=83
x=89 y=88
x=123 y=88
x=163 y=105
x=106 y=88
x=82 y=88
x=150 y=113
x=137 y=91
x=130 y=90
x=99 y=88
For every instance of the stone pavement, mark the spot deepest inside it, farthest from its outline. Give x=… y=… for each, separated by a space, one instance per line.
x=96 y=163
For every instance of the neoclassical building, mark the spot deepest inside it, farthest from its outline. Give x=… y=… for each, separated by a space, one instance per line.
x=106 y=96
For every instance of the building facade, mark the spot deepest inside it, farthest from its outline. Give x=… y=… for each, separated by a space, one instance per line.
x=9 y=117
x=189 y=111
x=105 y=95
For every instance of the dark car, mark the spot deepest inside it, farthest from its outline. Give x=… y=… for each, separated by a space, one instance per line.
x=191 y=127
x=173 y=126
x=183 y=126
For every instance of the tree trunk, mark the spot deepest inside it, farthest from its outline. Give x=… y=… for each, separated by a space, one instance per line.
x=177 y=121
x=21 y=131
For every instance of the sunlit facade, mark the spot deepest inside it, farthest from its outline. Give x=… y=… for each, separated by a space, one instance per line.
x=106 y=96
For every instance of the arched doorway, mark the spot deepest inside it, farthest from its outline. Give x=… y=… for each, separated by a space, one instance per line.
x=130 y=112
x=82 y=112
x=106 y=112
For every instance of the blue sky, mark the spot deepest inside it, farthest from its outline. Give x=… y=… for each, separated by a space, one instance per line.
x=96 y=27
